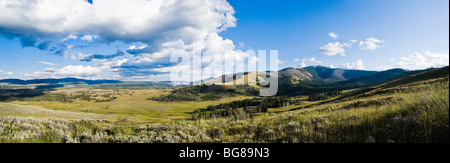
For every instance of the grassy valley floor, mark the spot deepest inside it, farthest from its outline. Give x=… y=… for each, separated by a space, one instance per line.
x=127 y=104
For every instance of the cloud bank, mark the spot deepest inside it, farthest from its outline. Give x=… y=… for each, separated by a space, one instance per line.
x=154 y=21
x=159 y=26
x=424 y=60
x=358 y=65
x=68 y=71
x=4 y=73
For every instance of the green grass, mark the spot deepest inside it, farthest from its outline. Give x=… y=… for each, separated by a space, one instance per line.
x=130 y=104
x=413 y=113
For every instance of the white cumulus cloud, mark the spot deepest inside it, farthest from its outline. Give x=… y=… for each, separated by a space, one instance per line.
x=371 y=44
x=332 y=49
x=310 y=60
x=88 y=37
x=333 y=35
x=280 y=62
x=69 y=37
x=358 y=65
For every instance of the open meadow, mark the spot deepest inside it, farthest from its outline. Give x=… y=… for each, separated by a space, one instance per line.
x=113 y=104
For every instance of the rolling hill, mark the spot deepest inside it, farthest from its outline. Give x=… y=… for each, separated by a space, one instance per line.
x=293 y=76
x=335 y=75
x=318 y=79
x=422 y=76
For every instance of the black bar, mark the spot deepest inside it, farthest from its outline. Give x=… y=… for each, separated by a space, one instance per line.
x=277 y=152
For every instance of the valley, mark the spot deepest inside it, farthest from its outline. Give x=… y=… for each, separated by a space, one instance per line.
x=313 y=105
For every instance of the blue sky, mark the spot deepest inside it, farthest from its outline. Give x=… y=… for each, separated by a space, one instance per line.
x=368 y=34
x=299 y=28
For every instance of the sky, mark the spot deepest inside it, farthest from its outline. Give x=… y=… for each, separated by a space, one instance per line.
x=132 y=39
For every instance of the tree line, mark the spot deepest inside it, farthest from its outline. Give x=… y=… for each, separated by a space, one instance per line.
x=243 y=109
x=204 y=93
x=323 y=96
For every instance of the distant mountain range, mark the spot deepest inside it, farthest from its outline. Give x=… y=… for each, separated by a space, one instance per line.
x=320 y=73
x=293 y=76
x=321 y=79
x=291 y=80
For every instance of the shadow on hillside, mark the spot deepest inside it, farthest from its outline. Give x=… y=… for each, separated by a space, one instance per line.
x=12 y=94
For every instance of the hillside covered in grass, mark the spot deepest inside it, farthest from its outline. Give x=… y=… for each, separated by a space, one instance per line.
x=414 y=109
